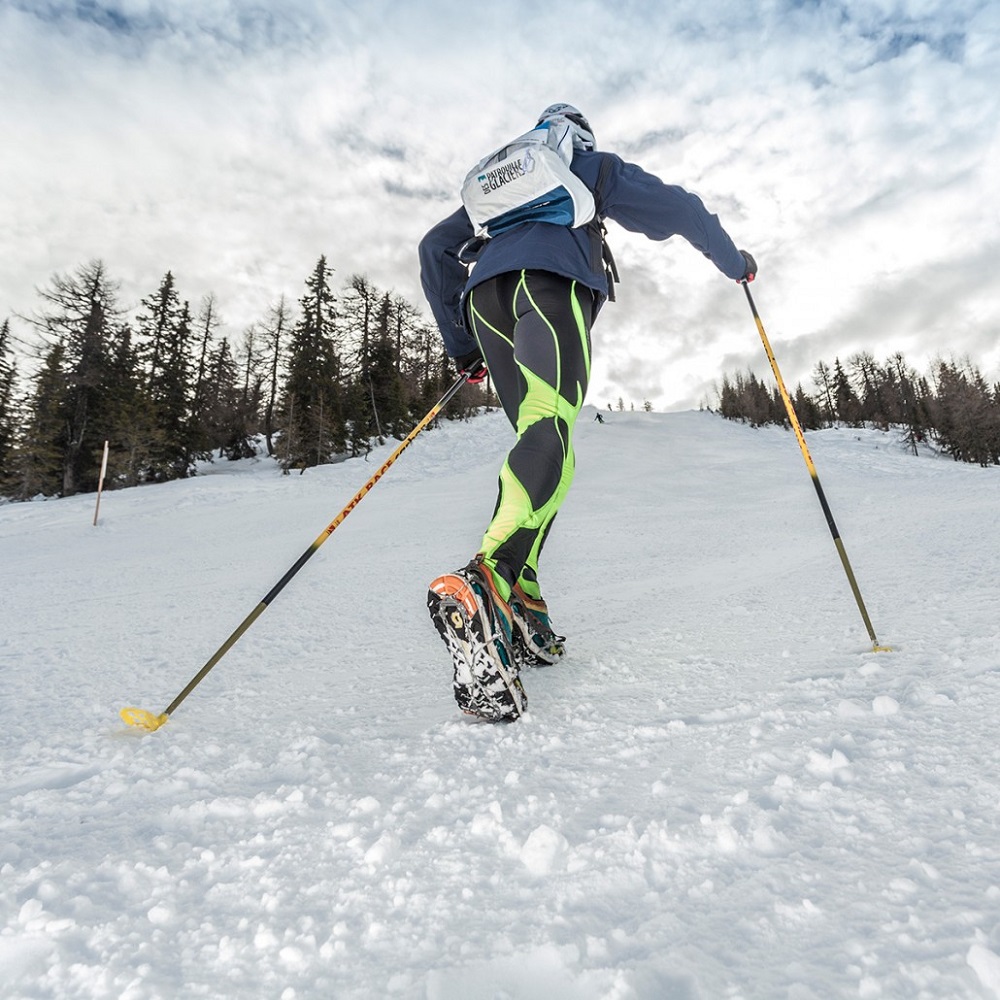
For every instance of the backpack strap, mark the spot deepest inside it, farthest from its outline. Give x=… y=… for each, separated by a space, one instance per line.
x=599 y=231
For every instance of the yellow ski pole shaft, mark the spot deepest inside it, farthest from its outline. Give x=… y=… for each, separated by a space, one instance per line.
x=827 y=513
x=143 y=719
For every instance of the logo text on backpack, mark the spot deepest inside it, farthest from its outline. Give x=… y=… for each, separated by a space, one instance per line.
x=507 y=172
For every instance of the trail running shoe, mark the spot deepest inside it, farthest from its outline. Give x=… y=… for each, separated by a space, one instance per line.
x=475 y=623
x=535 y=642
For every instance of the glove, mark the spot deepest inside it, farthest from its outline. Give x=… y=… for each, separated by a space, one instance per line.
x=472 y=366
x=751 y=272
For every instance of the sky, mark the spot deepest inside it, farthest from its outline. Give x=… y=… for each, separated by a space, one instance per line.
x=851 y=147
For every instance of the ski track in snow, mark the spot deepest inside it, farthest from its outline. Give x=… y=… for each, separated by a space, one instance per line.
x=723 y=792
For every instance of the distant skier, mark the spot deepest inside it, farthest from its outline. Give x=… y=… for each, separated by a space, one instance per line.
x=598 y=417
x=525 y=313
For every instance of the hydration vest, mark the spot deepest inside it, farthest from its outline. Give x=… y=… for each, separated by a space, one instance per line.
x=529 y=180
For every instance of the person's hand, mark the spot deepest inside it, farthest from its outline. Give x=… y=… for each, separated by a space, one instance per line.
x=751 y=272
x=472 y=366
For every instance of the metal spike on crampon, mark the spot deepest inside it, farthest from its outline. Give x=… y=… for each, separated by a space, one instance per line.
x=486 y=682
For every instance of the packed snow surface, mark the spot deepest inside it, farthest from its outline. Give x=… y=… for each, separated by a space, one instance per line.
x=722 y=792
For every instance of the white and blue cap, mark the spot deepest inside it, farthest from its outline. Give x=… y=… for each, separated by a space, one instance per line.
x=583 y=134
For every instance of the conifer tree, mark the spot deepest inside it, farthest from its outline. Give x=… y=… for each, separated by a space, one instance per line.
x=172 y=394
x=911 y=394
x=357 y=317
x=430 y=369
x=383 y=377
x=966 y=421
x=411 y=339
x=8 y=406
x=847 y=406
x=748 y=399
x=874 y=396
x=205 y=325
x=962 y=412
x=38 y=459
x=807 y=410
x=156 y=324
x=313 y=397
x=134 y=436
x=823 y=380
x=165 y=329
x=225 y=419
x=246 y=419
x=728 y=400
x=274 y=335
x=82 y=312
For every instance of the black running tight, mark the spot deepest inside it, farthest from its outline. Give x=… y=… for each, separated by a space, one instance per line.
x=533 y=328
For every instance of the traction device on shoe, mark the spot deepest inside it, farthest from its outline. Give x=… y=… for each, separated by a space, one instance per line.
x=535 y=643
x=486 y=681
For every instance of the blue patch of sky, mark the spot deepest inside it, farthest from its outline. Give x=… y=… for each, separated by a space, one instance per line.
x=114 y=20
x=358 y=142
x=894 y=35
x=650 y=140
x=842 y=10
x=816 y=79
x=422 y=193
x=950 y=46
x=103 y=16
x=254 y=28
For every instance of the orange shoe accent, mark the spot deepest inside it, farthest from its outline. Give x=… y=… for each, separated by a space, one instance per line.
x=450 y=585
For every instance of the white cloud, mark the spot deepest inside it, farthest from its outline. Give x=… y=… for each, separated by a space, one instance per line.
x=851 y=148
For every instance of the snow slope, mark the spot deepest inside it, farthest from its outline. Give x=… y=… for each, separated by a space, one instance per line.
x=721 y=793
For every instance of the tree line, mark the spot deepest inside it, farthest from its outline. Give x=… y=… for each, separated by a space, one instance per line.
x=953 y=408
x=166 y=387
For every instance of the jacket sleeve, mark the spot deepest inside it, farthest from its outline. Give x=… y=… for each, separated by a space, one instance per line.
x=642 y=203
x=443 y=277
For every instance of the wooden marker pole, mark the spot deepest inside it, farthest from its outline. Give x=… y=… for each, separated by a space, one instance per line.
x=100 y=482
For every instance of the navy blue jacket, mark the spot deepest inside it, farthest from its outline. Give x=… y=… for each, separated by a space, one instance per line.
x=634 y=199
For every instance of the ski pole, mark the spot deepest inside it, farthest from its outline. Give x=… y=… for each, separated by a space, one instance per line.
x=143 y=719
x=814 y=476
